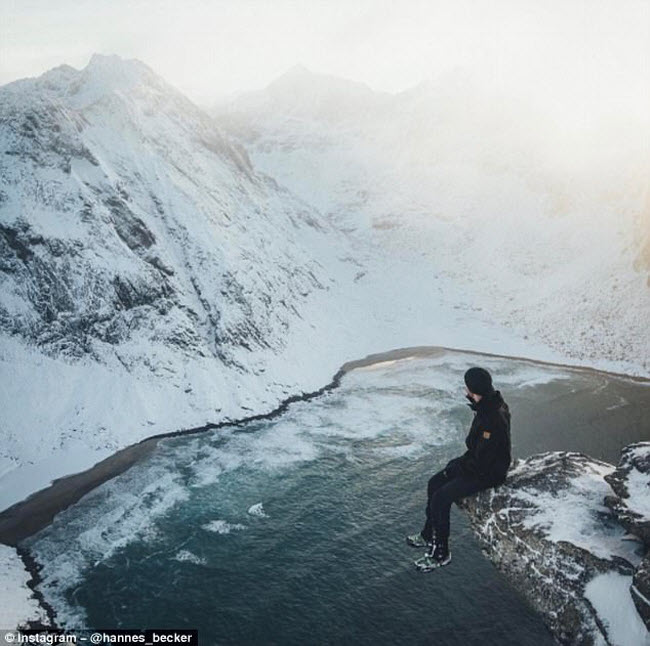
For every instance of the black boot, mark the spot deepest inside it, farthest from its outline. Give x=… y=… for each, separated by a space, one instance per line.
x=437 y=556
x=440 y=551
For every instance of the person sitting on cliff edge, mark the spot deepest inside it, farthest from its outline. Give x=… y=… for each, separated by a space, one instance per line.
x=484 y=465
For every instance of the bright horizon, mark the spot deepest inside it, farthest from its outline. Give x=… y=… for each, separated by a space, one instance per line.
x=574 y=58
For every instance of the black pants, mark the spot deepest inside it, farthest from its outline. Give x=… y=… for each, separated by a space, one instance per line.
x=445 y=487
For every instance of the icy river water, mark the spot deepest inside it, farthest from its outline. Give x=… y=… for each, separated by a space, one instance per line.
x=291 y=530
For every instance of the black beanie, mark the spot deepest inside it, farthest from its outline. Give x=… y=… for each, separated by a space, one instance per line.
x=478 y=381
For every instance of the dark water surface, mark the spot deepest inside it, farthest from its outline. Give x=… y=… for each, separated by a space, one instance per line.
x=293 y=530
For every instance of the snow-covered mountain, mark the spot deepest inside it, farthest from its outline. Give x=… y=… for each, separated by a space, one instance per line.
x=123 y=205
x=147 y=269
x=162 y=268
x=533 y=222
x=300 y=93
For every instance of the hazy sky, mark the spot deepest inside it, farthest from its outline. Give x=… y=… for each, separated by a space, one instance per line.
x=579 y=52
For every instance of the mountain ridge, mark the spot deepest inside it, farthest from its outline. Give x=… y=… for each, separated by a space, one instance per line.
x=138 y=244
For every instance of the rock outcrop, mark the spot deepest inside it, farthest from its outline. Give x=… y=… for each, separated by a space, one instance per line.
x=631 y=504
x=549 y=531
x=631 y=484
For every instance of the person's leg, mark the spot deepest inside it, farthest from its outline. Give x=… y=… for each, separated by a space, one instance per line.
x=441 y=500
x=435 y=482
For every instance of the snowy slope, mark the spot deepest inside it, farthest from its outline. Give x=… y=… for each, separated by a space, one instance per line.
x=533 y=223
x=146 y=272
x=19 y=606
x=642 y=261
x=153 y=278
x=136 y=201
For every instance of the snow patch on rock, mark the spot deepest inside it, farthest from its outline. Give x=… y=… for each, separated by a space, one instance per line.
x=19 y=607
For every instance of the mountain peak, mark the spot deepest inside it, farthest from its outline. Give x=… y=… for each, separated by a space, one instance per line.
x=299 y=79
x=116 y=72
x=296 y=76
x=109 y=74
x=115 y=62
x=300 y=92
x=103 y=75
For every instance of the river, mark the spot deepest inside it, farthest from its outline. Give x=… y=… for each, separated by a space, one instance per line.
x=291 y=530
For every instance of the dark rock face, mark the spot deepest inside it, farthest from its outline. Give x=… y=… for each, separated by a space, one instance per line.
x=67 y=301
x=631 y=504
x=631 y=484
x=547 y=529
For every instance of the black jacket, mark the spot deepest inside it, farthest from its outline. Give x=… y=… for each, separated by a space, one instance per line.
x=488 y=443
